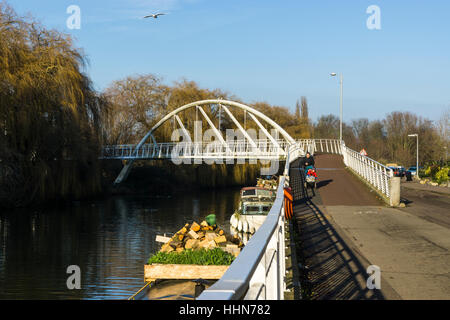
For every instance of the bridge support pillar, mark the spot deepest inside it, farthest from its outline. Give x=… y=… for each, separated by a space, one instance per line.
x=123 y=175
x=395 y=191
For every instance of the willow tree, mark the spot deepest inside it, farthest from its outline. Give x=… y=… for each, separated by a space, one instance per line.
x=49 y=114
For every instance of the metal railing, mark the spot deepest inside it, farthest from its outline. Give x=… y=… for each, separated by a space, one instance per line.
x=370 y=170
x=235 y=149
x=321 y=145
x=258 y=273
x=376 y=174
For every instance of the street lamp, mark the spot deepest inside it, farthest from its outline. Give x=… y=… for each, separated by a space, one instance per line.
x=417 y=152
x=333 y=74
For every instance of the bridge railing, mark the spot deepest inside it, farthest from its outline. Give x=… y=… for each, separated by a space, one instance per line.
x=258 y=273
x=231 y=149
x=372 y=171
x=321 y=145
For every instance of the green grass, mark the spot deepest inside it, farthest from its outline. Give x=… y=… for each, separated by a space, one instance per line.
x=215 y=257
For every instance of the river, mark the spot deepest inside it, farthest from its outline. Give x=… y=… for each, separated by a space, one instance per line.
x=109 y=239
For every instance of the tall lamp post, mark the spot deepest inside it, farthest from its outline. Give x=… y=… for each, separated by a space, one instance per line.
x=333 y=74
x=417 y=152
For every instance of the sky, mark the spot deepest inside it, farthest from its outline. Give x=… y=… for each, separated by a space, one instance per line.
x=273 y=51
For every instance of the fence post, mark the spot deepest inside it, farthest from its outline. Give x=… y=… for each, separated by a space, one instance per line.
x=394 y=198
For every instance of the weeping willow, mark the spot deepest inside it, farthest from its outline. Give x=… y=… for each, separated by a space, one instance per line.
x=49 y=115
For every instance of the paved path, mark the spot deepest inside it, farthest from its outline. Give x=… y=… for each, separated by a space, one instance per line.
x=345 y=228
x=337 y=186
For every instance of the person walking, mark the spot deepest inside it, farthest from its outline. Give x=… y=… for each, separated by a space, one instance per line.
x=308 y=162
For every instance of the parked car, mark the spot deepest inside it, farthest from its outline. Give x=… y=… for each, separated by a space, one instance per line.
x=398 y=171
x=413 y=170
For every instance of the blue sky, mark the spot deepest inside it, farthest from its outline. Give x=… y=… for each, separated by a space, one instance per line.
x=274 y=51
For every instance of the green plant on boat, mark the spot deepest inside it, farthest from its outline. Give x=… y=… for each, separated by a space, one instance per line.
x=204 y=257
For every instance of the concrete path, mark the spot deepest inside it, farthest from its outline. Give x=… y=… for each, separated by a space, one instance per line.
x=345 y=228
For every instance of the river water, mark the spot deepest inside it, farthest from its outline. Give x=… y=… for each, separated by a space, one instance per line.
x=110 y=240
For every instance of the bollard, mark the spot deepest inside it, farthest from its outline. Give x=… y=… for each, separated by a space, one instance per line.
x=395 y=191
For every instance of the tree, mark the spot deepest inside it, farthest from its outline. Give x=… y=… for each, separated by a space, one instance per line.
x=135 y=105
x=327 y=127
x=49 y=113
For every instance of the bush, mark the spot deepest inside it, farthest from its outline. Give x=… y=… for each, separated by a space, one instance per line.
x=433 y=170
x=442 y=175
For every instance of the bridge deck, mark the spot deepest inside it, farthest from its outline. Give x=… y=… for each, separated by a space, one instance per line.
x=345 y=228
x=335 y=270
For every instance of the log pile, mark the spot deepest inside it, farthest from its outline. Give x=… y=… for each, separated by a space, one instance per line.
x=196 y=236
x=267 y=183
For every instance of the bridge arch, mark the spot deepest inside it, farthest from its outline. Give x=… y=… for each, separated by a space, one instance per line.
x=220 y=102
x=254 y=114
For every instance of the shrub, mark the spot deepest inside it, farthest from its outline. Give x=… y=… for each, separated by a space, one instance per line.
x=442 y=175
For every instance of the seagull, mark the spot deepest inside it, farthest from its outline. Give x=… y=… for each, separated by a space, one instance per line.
x=154 y=15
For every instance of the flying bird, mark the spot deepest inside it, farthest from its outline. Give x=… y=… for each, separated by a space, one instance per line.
x=154 y=15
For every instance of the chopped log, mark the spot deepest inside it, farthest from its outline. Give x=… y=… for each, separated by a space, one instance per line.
x=207 y=244
x=204 y=223
x=183 y=271
x=195 y=227
x=210 y=235
x=220 y=239
x=193 y=234
x=191 y=244
x=162 y=239
x=166 y=248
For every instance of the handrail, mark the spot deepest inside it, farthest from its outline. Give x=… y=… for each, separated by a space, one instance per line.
x=235 y=282
x=375 y=173
x=256 y=260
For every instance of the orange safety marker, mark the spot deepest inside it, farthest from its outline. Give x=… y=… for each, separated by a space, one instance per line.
x=288 y=201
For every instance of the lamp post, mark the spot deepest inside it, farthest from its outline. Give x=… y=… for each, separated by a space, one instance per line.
x=333 y=74
x=417 y=152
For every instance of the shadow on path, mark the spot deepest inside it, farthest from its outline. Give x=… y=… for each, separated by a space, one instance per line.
x=328 y=267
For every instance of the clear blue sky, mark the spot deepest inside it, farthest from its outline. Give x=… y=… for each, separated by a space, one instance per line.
x=274 y=51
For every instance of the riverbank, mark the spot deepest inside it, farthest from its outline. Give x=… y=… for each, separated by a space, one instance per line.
x=151 y=178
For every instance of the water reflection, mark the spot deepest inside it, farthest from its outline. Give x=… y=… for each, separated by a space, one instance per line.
x=110 y=240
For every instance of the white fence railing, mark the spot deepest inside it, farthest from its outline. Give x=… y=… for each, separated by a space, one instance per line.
x=258 y=273
x=372 y=171
x=321 y=145
x=235 y=149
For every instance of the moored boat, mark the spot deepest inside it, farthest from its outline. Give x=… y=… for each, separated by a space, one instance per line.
x=254 y=206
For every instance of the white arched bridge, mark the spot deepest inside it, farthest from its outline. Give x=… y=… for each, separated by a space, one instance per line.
x=238 y=143
x=259 y=271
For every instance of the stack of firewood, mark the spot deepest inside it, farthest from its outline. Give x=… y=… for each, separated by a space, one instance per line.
x=201 y=236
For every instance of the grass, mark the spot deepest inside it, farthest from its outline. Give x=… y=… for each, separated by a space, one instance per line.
x=216 y=257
